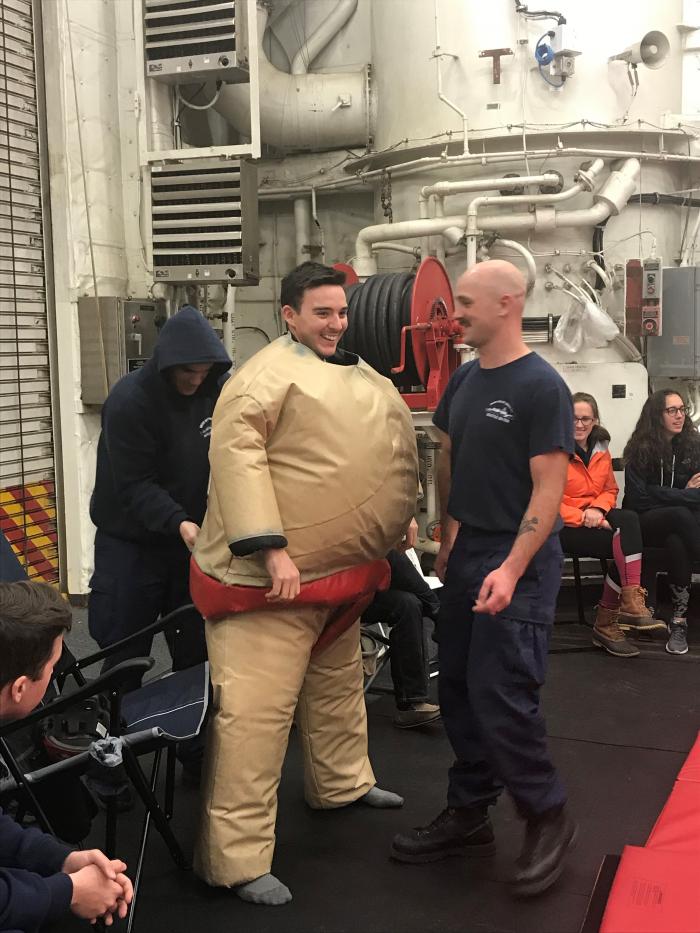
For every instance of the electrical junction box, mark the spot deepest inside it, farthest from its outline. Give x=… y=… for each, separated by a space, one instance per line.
x=564 y=42
x=676 y=353
x=652 y=291
x=123 y=343
x=192 y=40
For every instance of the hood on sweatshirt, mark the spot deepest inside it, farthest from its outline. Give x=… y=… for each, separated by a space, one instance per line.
x=186 y=338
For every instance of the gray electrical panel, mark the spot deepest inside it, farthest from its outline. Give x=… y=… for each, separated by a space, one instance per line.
x=128 y=334
x=677 y=351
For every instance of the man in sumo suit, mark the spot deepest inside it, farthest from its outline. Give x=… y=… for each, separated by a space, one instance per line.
x=314 y=479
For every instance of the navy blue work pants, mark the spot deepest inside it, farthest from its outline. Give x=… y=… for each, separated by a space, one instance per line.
x=135 y=583
x=491 y=671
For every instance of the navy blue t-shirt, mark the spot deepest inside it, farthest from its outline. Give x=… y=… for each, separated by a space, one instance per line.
x=497 y=419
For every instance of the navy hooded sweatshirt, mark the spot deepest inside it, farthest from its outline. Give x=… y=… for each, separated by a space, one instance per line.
x=153 y=453
x=33 y=890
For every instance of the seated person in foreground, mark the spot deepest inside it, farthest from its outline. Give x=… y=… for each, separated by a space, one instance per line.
x=402 y=607
x=41 y=879
x=594 y=527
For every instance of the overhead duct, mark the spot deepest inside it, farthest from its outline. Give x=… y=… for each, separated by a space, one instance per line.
x=319 y=39
x=305 y=111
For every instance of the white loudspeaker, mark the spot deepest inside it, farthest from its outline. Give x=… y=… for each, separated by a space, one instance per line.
x=652 y=51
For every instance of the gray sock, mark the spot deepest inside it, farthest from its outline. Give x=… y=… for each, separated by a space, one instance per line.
x=382 y=799
x=264 y=890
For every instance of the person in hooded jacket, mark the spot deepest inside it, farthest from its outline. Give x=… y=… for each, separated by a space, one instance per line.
x=595 y=527
x=151 y=483
x=662 y=484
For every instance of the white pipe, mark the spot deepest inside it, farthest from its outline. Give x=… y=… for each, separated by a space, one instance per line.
x=600 y=272
x=689 y=252
x=312 y=111
x=423 y=214
x=445 y=188
x=420 y=166
x=160 y=105
x=365 y=264
x=400 y=248
x=302 y=228
x=229 y=324
x=453 y=241
x=473 y=225
x=319 y=39
x=611 y=199
x=438 y=53
x=527 y=256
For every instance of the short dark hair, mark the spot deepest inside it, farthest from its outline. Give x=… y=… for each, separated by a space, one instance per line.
x=32 y=616
x=302 y=278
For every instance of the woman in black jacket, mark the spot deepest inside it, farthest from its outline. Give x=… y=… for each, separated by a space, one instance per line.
x=662 y=484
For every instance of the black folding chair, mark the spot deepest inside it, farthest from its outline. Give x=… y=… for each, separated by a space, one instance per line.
x=149 y=719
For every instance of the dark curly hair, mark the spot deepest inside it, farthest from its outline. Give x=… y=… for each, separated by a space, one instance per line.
x=648 y=446
x=599 y=434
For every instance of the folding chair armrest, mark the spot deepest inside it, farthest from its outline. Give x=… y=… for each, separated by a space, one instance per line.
x=111 y=680
x=173 y=618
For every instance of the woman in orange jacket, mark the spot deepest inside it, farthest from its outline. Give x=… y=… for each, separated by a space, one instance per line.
x=595 y=527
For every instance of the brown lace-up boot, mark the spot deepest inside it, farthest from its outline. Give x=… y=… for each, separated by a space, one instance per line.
x=607 y=634
x=634 y=612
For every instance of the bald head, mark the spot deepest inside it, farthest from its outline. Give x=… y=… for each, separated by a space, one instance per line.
x=489 y=302
x=499 y=278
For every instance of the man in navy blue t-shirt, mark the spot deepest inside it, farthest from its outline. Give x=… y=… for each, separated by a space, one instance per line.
x=506 y=430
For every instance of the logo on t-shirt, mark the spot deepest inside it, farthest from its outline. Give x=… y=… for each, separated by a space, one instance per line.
x=500 y=411
x=205 y=427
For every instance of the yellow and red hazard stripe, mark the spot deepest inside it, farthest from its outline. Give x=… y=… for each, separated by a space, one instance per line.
x=28 y=521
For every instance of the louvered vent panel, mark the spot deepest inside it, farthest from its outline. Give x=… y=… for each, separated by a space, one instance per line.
x=205 y=221
x=190 y=39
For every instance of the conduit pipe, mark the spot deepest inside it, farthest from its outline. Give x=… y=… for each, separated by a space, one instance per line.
x=585 y=181
x=611 y=199
x=600 y=272
x=443 y=189
x=311 y=111
x=401 y=248
x=527 y=256
x=319 y=39
x=365 y=264
x=302 y=228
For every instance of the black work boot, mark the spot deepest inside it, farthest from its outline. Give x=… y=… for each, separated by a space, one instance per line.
x=547 y=840
x=456 y=831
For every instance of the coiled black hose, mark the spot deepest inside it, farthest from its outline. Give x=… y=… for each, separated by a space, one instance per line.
x=377 y=311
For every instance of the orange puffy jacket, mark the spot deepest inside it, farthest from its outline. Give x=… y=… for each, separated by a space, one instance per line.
x=591 y=486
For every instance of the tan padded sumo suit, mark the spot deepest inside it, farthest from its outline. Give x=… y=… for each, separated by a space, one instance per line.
x=325 y=456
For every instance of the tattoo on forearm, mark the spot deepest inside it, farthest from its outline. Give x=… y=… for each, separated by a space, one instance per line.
x=528 y=524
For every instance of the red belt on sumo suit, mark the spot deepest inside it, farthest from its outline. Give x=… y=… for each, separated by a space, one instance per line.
x=349 y=592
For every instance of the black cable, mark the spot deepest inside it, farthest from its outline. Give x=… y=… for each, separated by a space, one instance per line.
x=539 y=14
x=658 y=199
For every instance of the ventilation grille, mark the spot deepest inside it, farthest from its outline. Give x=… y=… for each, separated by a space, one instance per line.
x=198 y=213
x=189 y=39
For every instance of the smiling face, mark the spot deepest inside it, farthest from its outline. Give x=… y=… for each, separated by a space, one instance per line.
x=584 y=420
x=673 y=416
x=321 y=320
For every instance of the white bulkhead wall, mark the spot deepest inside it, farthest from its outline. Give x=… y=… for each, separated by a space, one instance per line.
x=599 y=91
x=93 y=175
